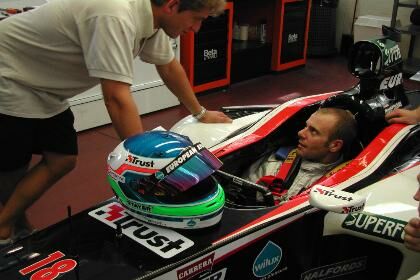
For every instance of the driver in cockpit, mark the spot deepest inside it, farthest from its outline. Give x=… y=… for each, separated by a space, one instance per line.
x=323 y=142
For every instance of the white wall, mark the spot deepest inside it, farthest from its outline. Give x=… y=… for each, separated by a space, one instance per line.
x=377 y=8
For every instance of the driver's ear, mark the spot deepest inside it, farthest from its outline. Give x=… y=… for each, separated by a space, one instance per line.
x=336 y=145
x=171 y=6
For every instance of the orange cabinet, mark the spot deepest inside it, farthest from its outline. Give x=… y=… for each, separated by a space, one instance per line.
x=206 y=55
x=216 y=56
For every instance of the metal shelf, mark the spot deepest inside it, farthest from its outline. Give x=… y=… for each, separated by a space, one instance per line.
x=410 y=29
x=411 y=64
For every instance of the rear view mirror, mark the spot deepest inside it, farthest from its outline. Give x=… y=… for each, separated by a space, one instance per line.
x=337 y=201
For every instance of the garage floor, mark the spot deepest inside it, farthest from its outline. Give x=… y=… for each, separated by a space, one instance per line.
x=86 y=185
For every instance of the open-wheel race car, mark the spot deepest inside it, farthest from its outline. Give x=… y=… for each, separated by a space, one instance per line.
x=349 y=225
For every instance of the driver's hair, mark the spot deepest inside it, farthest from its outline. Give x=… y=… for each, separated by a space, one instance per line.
x=216 y=7
x=345 y=127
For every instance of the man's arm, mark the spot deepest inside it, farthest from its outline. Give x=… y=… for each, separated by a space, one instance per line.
x=404 y=116
x=175 y=78
x=412 y=235
x=121 y=108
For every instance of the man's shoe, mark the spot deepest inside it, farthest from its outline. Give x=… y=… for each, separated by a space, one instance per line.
x=23 y=233
x=5 y=242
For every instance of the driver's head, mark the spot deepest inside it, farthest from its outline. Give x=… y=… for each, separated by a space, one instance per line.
x=326 y=135
x=177 y=17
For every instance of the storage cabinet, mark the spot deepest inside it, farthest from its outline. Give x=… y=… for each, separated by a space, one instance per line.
x=290 y=34
x=276 y=40
x=206 y=55
x=411 y=64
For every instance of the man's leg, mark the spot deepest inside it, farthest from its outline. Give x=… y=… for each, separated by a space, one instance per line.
x=40 y=178
x=8 y=182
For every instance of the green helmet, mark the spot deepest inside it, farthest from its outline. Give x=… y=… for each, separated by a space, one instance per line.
x=161 y=177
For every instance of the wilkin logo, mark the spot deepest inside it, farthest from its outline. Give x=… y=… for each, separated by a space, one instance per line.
x=268 y=260
x=162 y=241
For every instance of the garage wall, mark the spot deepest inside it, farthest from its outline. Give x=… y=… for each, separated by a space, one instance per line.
x=372 y=7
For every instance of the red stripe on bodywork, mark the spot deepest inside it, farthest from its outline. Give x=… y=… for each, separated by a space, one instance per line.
x=272 y=124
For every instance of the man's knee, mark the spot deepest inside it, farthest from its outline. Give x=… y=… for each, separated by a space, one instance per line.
x=60 y=165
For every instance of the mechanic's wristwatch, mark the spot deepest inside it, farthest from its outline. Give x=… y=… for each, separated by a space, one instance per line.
x=200 y=114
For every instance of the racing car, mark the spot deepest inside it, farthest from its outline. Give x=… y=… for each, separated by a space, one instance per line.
x=308 y=237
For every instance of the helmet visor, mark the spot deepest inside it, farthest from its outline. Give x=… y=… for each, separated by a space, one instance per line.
x=190 y=167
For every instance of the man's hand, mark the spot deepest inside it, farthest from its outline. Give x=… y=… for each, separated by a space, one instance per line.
x=403 y=116
x=412 y=235
x=215 y=117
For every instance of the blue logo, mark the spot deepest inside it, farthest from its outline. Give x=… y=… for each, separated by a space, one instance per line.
x=159 y=175
x=268 y=260
x=191 y=223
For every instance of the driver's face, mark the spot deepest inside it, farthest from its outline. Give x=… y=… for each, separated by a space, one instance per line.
x=314 y=138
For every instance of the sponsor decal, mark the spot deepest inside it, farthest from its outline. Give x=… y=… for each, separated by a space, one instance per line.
x=352 y=209
x=376 y=225
x=162 y=241
x=204 y=264
x=393 y=54
x=220 y=275
x=292 y=38
x=336 y=169
x=49 y=268
x=393 y=107
x=140 y=206
x=267 y=260
x=193 y=150
x=390 y=82
x=115 y=176
x=331 y=193
x=138 y=161
x=335 y=269
x=291 y=156
x=210 y=54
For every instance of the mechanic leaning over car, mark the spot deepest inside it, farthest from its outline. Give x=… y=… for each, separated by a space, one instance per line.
x=328 y=134
x=61 y=49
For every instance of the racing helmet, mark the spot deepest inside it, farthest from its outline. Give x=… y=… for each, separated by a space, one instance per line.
x=378 y=65
x=161 y=177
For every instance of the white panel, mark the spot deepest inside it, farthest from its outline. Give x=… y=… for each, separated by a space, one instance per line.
x=92 y=114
